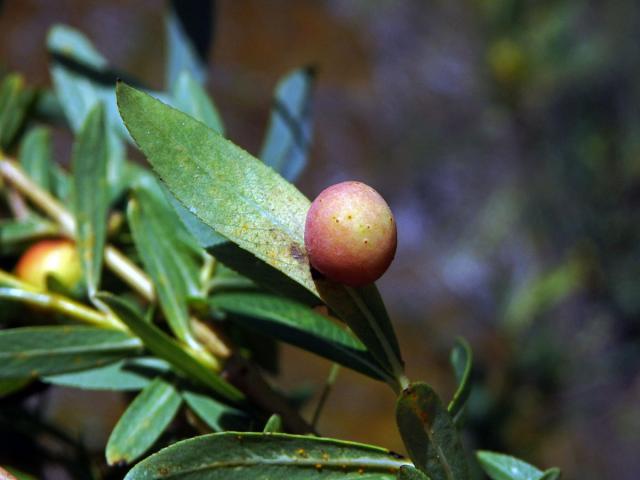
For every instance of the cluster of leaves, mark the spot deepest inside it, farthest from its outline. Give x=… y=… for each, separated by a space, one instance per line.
x=207 y=269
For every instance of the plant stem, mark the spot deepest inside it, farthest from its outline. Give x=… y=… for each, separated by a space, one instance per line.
x=331 y=380
x=249 y=378
x=25 y=293
x=113 y=258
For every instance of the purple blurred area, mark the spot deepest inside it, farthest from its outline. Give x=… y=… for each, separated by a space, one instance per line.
x=506 y=138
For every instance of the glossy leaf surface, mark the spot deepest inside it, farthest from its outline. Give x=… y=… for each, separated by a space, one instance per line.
x=39 y=351
x=236 y=455
x=299 y=325
x=499 y=466
x=429 y=434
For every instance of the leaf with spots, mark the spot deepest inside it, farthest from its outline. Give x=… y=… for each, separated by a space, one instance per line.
x=499 y=466
x=91 y=195
x=39 y=351
x=143 y=422
x=249 y=204
x=242 y=456
x=429 y=434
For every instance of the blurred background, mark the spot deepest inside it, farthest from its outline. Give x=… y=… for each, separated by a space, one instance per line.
x=505 y=135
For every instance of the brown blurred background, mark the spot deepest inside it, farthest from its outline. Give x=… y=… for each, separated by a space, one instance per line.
x=505 y=135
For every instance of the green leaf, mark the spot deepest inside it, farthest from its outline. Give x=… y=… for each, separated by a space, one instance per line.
x=182 y=54
x=173 y=269
x=15 y=233
x=429 y=434
x=40 y=351
x=216 y=415
x=251 y=205
x=236 y=455
x=15 y=100
x=408 y=472
x=126 y=375
x=189 y=97
x=143 y=422
x=499 y=466
x=82 y=79
x=288 y=138
x=90 y=199
x=167 y=348
x=35 y=155
x=297 y=324
x=274 y=424
x=461 y=360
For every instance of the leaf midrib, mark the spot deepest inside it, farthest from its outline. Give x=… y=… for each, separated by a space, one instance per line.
x=347 y=465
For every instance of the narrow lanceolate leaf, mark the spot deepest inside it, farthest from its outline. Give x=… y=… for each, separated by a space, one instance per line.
x=163 y=346
x=411 y=473
x=14 y=233
x=91 y=196
x=35 y=155
x=82 y=79
x=299 y=325
x=288 y=138
x=15 y=100
x=461 y=361
x=143 y=422
x=126 y=375
x=249 y=204
x=429 y=434
x=172 y=267
x=216 y=415
x=499 y=466
x=235 y=456
x=189 y=97
x=39 y=351
x=188 y=33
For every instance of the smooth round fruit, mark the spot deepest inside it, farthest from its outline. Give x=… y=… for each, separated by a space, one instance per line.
x=50 y=257
x=350 y=234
